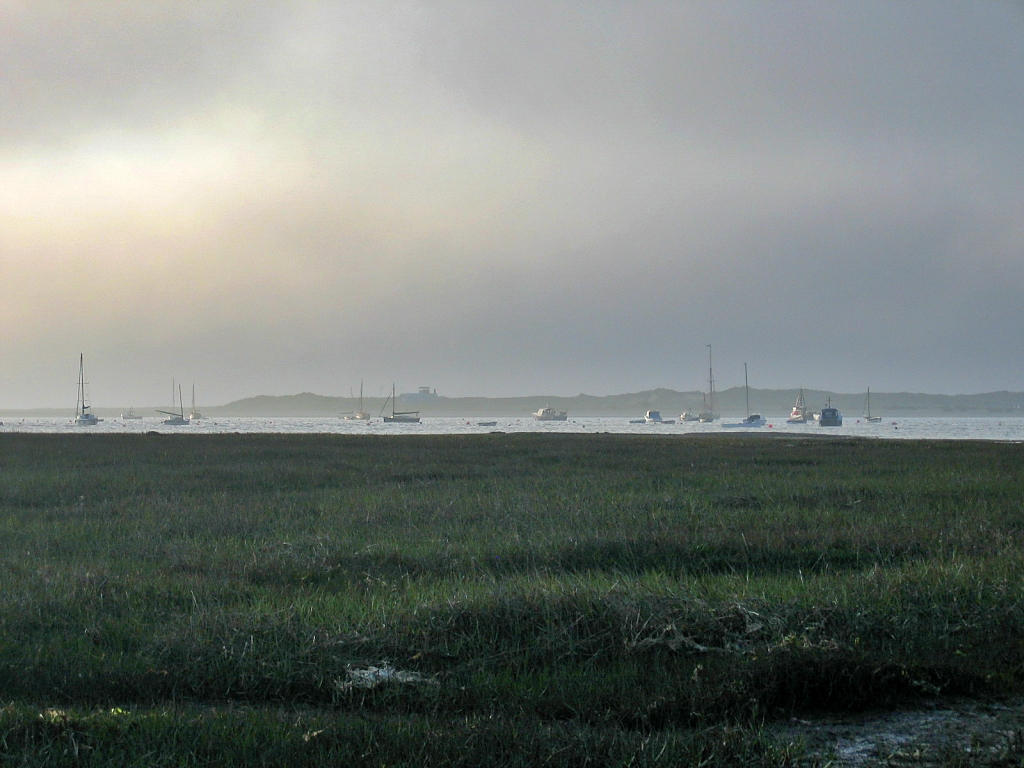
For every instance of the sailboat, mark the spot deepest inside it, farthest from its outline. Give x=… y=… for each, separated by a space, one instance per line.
x=130 y=415
x=195 y=415
x=709 y=413
x=867 y=409
x=175 y=419
x=359 y=415
x=753 y=419
x=83 y=411
x=400 y=417
x=800 y=414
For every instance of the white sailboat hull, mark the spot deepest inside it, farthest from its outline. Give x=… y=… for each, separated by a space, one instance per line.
x=83 y=411
x=176 y=419
x=867 y=407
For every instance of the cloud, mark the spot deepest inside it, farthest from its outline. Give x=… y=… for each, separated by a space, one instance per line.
x=496 y=199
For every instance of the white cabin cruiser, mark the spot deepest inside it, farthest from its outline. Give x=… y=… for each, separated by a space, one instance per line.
x=550 y=414
x=654 y=417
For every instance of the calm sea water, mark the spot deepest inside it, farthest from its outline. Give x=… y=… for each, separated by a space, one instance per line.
x=1003 y=429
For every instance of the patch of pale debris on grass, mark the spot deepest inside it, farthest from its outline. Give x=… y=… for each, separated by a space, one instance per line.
x=947 y=733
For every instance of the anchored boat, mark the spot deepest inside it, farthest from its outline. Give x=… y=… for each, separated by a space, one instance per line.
x=175 y=419
x=400 y=417
x=800 y=414
x=548 y=413
x=752 y=420
x=830 y=417
x=867 y=409
x=84 y=417
x=709 y=413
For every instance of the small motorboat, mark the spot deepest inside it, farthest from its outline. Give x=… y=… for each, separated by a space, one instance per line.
x=829 y=416
x=752 y=421
x=550 y=414
x=654 y=417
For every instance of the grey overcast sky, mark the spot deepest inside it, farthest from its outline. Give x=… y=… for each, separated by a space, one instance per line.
x=497 y=199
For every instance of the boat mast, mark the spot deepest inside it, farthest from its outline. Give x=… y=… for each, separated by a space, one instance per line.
x=711 y=382
x=746 y=388
x=80 y=408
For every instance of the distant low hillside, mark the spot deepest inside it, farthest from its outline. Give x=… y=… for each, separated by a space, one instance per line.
x=772 y=403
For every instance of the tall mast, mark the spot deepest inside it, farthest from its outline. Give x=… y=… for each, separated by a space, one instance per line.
x=81 y=383
x=746 y=388
x=711 y=382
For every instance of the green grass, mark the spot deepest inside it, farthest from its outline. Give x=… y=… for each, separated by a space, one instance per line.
x=569 y=599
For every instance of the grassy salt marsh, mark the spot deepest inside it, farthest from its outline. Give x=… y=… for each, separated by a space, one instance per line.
x=492 y=599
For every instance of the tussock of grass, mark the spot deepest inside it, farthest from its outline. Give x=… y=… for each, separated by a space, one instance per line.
x=604 y=597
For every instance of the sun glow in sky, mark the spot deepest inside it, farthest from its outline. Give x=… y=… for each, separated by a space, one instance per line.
x=550 y=198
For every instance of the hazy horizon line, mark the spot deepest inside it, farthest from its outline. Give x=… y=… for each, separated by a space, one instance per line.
x=433 y=394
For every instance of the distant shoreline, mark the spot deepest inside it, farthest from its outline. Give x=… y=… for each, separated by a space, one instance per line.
x=731 y=402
